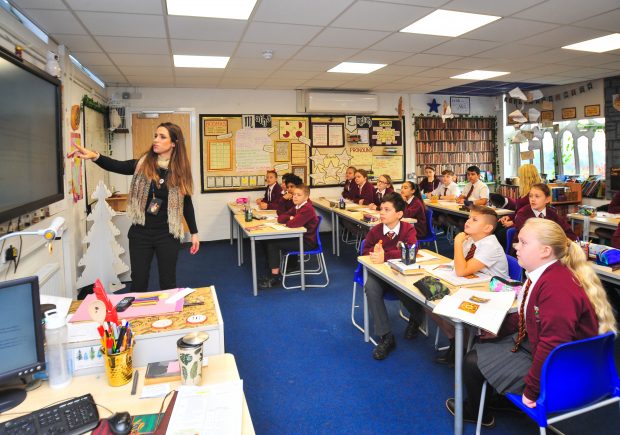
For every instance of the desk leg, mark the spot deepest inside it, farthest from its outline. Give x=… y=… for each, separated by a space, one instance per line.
x=254 y=284
x=334 y=233
x=232 y=223
x=239 y=247
x=458 y=379
x=366 y=328
x=572 y=224
x=301 y=262
x=337 y=225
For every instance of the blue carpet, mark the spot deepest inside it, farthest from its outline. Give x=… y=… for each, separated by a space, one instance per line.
x=307 y=370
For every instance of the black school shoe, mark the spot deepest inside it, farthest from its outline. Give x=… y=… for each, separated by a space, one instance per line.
x=488 y=420
x=270 y=282
x=413 y=329
x=384 y=347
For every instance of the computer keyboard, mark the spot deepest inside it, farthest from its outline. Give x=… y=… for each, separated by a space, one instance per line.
x=72 y=417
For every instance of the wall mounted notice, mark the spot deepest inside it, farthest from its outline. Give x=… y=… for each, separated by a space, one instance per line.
x=251 y=153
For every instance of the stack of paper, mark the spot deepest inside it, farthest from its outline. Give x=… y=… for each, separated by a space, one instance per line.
x=446 y=272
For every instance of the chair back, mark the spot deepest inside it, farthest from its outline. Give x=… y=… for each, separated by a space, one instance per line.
x=510 y=234
x=318 y=235
x=514 y=268
x=431 y=235
x=358 y=275
x=579 y=373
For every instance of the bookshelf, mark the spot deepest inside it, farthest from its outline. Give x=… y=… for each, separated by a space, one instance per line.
x=455 y=144
x=568 y=201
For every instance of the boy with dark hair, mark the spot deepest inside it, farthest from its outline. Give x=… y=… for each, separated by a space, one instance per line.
x=273 y=191
x=448 y=189
x=382 y=244
x=286 y=200
x=475 y=190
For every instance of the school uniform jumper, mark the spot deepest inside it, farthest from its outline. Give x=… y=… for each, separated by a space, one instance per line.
x=282 y=205
x=152 y=238
x=366 y=192
x=379 y=195
x=428 y=186
x=516 y=204
x=376 y=287
x=304 y=216
x=348 y=189
x=526 y=213
x=416 y=210
x=271 y=198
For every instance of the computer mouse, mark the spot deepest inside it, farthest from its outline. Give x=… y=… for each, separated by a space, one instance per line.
x=120 y=423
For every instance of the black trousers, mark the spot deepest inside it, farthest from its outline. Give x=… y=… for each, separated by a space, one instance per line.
x=273 y=248
x=143 y=244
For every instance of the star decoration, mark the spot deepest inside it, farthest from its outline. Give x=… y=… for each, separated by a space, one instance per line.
x=318 y=177
x=343 y=157
x=433 y=106
x=331 y=171
x=318 y=158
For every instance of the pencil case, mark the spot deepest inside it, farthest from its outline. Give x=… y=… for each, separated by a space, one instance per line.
x=609 y=257
x=499 y=284
x=242 y=200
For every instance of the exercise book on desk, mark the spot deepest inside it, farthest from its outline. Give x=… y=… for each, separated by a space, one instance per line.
x=446 y=272
x=480 y=308
x=161 y=307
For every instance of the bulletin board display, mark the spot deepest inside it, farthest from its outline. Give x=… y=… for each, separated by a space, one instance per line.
x=237 y=150
x=374 y=143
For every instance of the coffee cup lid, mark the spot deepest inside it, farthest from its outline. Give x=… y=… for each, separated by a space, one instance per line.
x=194 y=338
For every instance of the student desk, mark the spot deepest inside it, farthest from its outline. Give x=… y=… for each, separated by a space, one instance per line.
x=233 y=209
x=221 y=368
x=451 y=207
x=404 y=283
x=324 y=205
x=610 y=223
x=266 y=233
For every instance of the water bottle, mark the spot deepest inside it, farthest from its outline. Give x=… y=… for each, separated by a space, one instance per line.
x=55 y=350
x=341 y=204
x=248 y=214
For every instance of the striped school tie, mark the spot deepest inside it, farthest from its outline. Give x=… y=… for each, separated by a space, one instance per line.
x=522 y=332
x=390 y=234
x=445 y=191
x=541 y=216
x=470 y=253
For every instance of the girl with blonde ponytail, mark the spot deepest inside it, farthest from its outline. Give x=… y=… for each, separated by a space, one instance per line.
x=562 y=301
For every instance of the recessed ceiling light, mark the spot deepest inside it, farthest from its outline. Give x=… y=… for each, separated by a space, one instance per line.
x=184 y=61
x=233 y=9
x=356 y=67
x=449 y=23
x=598 y=45
x=479 y=74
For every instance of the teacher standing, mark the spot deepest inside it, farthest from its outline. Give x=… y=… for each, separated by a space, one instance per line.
x=159 y=199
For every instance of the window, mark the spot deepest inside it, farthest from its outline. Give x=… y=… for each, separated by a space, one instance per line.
x=568 y=154
x=548 y=155
x=584 y=157
x=598 y=153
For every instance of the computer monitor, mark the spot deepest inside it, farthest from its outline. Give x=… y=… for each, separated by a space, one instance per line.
x=21 y=337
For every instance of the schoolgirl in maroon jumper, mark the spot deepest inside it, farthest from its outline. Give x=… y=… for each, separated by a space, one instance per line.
x=364 y=192
x=415 y=207
x=349 y=183
x=384 y=186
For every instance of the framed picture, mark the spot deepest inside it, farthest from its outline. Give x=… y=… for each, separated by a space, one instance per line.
x=592 y=110
x=301 y=172
x=569 y=113
x=460 y=105
x=546 y=115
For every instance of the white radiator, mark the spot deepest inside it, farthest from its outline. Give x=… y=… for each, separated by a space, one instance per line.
x=50 y=280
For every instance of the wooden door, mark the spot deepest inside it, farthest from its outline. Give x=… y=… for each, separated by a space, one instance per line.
x=143 y=131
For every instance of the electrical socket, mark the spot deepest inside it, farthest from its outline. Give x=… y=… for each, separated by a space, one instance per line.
x=10 y=254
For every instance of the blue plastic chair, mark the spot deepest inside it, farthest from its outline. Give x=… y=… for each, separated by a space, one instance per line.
x=432 y=235
x=321 y=266
x=577 y=377
x=510 y=234
x=514 y=268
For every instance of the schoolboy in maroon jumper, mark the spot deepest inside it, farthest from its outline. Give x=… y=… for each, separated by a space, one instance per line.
x=540 y=197
x=364 y=192
x=415 y=207
x=384 y=186
x=349 y=183
x=381 y=244
x=562 y=301
x=302 y=215
x=273 y=191
x=286 y=200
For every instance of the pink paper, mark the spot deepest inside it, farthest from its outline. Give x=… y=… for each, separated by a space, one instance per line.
x=173 y=367
x=161 y=307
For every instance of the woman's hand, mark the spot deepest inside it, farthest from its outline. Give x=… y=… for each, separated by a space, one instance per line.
x=527 y=402
x=82 y=153
x=195 y=244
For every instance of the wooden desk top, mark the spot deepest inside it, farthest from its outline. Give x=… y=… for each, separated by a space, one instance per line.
x=221 y=368
x=263 y=227
x=454 y=208
x=608 y=222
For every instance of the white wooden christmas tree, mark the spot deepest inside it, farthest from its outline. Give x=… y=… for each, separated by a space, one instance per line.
x=102 y=257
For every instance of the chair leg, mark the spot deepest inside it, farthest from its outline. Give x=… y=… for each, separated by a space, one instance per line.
x=553 y=429
x=353 y=307
x=437 y=342
x=436 y=248
x=481 y=407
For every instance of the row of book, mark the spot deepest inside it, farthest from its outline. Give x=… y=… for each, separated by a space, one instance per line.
x=435 y=158
x=454 y=123
x=455 y=135
x=593 y=187
x=454 y=147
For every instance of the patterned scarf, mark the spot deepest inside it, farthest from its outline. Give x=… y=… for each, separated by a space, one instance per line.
x=139 y=191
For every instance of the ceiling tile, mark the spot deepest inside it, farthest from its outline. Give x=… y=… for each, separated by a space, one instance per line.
x=509 y=29
x=550 y=69
x=321 y=13
x=241 y=73
x=562 y=36
x=567 y=11
x=423 y=59
x=123 y=6
x=599 y=59
x=157 y=71
x=279 y=51
x=294 y=75
x=588 y=72
x=199 y=72
x=147 y=80
x=612 y=65
x=462 y=47
x=282 y=83
x=278 y=33
x=111 y=24
x=364 y=15
x=399 y=70
x=471 y=63
x=425 y=3
x=501 y=8
x=56 y=21
x=123 y=59
x=409 y=43
x=119 y=44
x=323 y=83
x=552 y=80
x=377 y=56
x=414 y=80
x=209 y=29
x=91 y=59
x=607 y=21
x=325 y=53
x=511 y=51
x=196 y=81
x=306 y=65
x=519 y=77
x=105 y=70
x=347 y=38
x=77 y=42
x=39 y=4
x=113 y=79
x=202 y=48
x=442 y=72
x=555 y=55
x=254 y=64
x=240 y=83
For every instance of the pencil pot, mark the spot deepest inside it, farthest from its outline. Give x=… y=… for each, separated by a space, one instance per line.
x=407 y=253
x=118 y=367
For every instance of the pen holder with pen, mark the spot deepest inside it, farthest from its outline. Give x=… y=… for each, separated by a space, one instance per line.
x=118 y=367
x=407 y=253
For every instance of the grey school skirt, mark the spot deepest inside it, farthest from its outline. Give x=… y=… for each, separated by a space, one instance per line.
x=504 y=370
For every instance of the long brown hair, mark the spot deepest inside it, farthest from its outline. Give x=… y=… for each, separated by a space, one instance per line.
x=180 y=171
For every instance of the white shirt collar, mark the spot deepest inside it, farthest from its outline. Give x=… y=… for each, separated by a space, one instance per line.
x=537 y=213
x=408 y=201
x=387 y=229
x=271 y=186
x=382 y=192
x=297 y=207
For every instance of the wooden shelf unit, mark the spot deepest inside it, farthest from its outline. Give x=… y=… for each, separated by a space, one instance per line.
x=456 y=144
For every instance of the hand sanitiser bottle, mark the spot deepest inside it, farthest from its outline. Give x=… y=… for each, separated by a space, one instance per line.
x=55 y=350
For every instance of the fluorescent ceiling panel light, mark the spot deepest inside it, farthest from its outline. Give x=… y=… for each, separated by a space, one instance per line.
x=356 y=67
x=449 y=23
x=479 y=74
x=185 y=61
x=232 y=9
x=598 y=45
